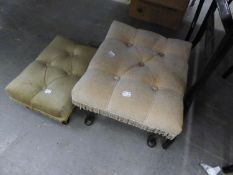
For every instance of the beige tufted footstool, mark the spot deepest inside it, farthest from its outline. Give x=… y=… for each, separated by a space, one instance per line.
x=45 y=85
x=137 y=77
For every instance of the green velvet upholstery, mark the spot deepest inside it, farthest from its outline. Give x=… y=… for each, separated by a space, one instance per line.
x=45 y=85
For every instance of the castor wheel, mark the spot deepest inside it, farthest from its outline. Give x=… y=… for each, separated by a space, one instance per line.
x=66 y=122
x=151 y=140
x=227 y=169
x=89 y=120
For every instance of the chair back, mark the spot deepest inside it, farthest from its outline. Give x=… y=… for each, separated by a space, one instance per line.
x=225 y=15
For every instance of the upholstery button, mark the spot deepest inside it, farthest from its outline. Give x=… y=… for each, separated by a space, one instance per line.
x=154 y=88
x=117 y=78
x=68 y=73
x=141 y=64
x=43 y=64
x=76 y=52
x=52 y=64
x=161 y=54
x=129 y=44
x=66 y=53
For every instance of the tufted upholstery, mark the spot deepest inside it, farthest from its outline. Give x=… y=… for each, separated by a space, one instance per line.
x=137 y=77
x=45 y=85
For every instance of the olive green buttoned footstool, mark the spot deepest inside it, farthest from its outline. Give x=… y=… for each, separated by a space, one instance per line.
x=45 y=85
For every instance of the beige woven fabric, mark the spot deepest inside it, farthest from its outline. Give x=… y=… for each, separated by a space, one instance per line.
x=45 y=85
x=137 y=77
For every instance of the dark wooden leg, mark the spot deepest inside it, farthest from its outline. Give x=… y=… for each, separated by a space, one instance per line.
x=151 y=140
x=167 y=143
x=216 y=59
x=228 y=169
x=89 y=120
x=66 y=122
x=228 y=72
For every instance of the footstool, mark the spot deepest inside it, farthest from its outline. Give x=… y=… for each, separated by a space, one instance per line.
x=137 y=77
x=45 y=85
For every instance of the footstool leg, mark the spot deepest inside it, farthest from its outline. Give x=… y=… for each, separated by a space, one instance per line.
x=167 y=143
x=151 y=140
x=66 y=122
x=89 y=120
x=227 y=169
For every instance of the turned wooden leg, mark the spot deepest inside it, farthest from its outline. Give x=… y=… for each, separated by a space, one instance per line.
x=89 y=120
x=167 y=143
x=66 y=122
x=151 y=140
x=227 y=169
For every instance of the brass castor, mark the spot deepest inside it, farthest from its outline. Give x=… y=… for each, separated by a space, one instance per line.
x=151 y=140
x=89 y=120
x=66 y=122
